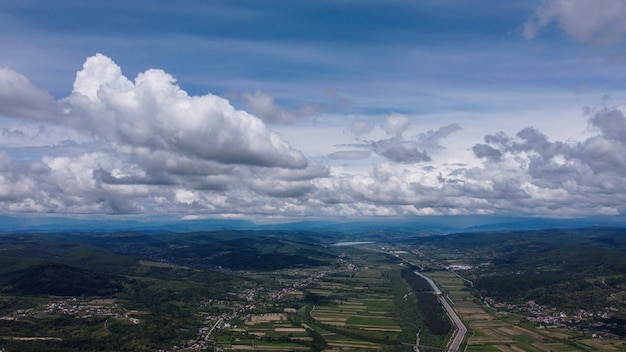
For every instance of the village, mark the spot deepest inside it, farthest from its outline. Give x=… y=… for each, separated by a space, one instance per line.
x=256 y=301
x=550 y=317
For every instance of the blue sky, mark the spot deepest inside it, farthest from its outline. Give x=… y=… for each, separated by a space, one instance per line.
x=279 y=110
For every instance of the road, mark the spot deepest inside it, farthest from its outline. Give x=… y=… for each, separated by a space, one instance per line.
x=461 y=330
x=213 y=328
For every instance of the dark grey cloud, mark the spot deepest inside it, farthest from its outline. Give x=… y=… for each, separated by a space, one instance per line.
x=433 y=136
x=603 y=155
x=611 y=123
x=499 y=138
x=486 y=151
x=19 y=97
x=395 y=149
x=532 y=139
x=431 y=139
x=14 y=133
x=527 y=140
x=212 y=183
x=112 y=204
x=313 y=170
x=350 y=155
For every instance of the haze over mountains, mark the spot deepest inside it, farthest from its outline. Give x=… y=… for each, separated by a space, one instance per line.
x=422 y=225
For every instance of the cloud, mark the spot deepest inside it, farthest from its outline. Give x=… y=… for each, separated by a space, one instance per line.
x=398 y=150
x=611 y=123
x=153 y=113
x=263 y=105
x=15 y=133
x=563 y=176
x=588 y=21
x=486 y=151
x=340 y=100
x=396 y=124
x=19 y=97
x=282 y=189
x=313 y=170
x=135 y=178
x=146 y=146
x=430 y=140
x=361 y=127
x=394 y=149
x=606 y=153
x=14 y=186
x=350 y=155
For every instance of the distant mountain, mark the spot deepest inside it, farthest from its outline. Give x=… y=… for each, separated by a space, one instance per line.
x=368 y=227
x=544 y=223
x=60 y=224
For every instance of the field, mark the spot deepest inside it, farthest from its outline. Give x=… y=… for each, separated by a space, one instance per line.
x=350 y=308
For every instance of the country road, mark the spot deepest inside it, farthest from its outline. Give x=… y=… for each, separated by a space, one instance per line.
x=461 y=330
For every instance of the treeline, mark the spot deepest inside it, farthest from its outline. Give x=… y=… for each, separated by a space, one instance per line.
x=59 y=280
x=435 y=318
x=554 y=289
x=258 y=251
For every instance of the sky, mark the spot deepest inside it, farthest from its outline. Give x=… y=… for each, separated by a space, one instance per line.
x=289 y=110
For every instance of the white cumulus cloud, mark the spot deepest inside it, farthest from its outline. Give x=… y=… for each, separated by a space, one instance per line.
x=155 y=114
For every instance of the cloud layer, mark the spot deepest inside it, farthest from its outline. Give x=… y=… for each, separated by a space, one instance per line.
x=146 y=146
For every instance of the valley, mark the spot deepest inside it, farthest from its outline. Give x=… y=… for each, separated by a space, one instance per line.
x=275 y=291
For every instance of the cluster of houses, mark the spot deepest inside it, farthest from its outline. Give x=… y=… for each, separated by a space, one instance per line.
x=254 y=300
x=76 y=307
x=546 y=317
